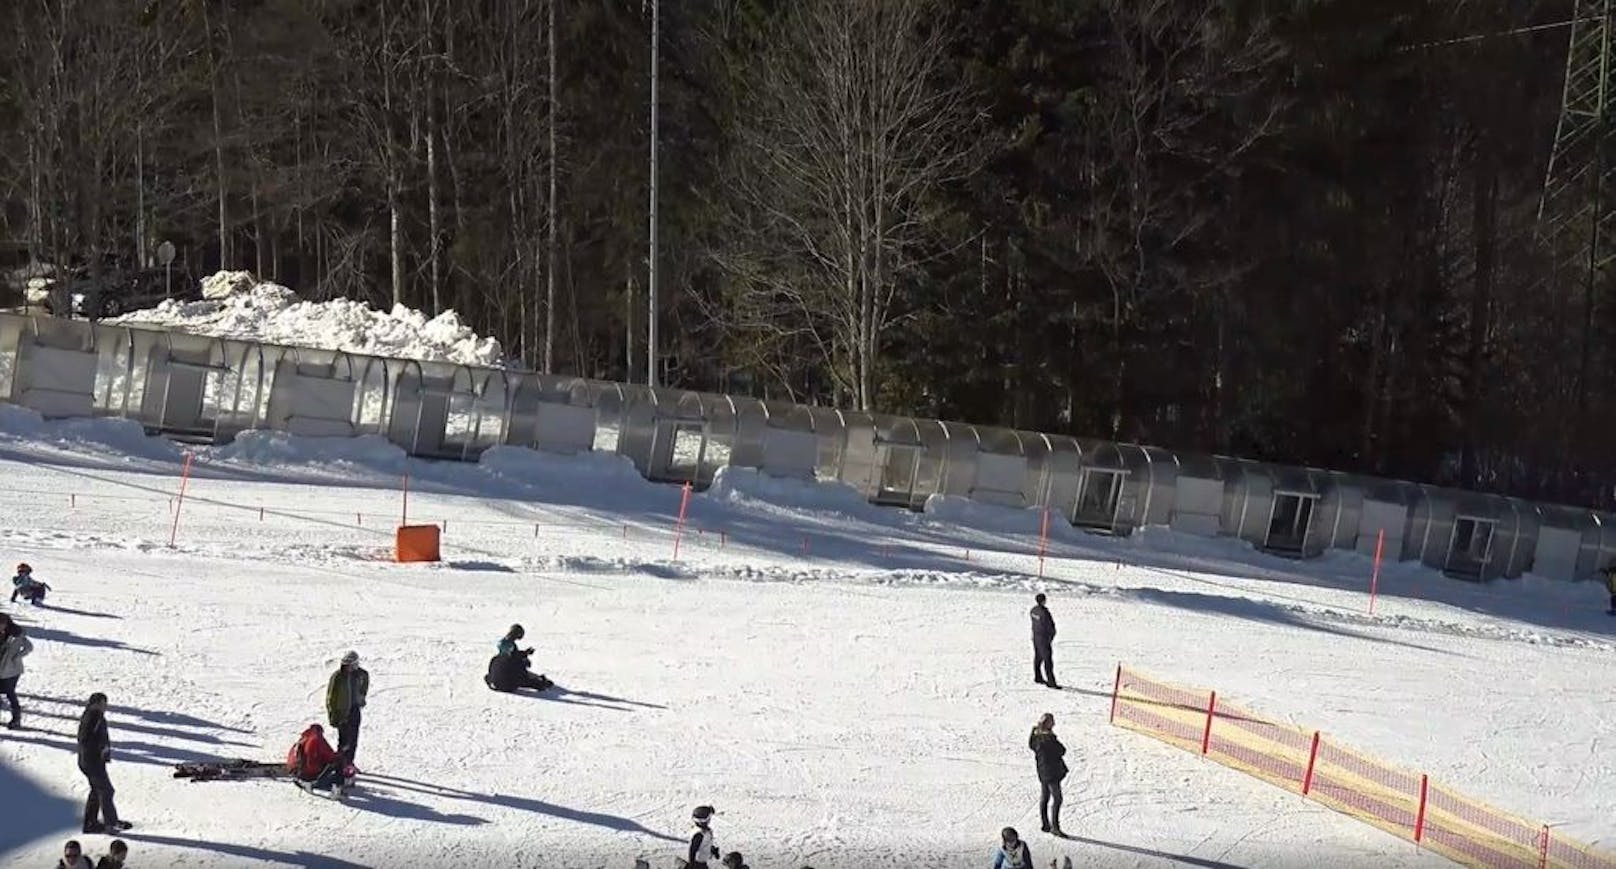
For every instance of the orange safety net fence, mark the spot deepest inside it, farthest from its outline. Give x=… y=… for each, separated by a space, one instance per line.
x=1406 y=804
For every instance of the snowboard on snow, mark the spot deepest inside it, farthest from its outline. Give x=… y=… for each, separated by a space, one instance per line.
x=230 y=770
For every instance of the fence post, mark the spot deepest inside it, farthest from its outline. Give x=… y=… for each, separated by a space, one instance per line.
x=404 y=510
x=1115 y=688
x=1374 y=576
x=1543 y=853
x=1419 y=819
x=679 y=529
x=1312 y=758
x=185 y=478
x=1211 y=710
x=1043 y=542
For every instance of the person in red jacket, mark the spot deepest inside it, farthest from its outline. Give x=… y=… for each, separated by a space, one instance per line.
x=316 y=765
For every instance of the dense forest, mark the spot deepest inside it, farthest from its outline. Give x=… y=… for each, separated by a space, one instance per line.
x=1303 y=231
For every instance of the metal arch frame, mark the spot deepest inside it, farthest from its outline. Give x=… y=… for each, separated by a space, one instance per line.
x=241 y=404
x=944 y=461
x=882 y=445
x=988 y=437
x=419 y=385
x=82 y=333
x=128 y=346
x=1047 y=497
x=215 y=351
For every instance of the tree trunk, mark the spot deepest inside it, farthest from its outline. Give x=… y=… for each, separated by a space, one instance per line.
x=628 y=328
x=140 y=197
x=218 y=144
x=434 y=220
x=1483 y=231
x=548 y=364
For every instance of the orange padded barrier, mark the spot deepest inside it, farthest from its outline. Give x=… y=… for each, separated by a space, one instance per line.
x=1406 y=804
x=417 y=543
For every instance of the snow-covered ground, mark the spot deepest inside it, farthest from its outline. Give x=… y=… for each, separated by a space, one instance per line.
x=235 y=305
x=847 y=684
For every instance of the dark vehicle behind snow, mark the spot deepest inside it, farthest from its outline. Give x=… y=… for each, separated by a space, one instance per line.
x=120 y=291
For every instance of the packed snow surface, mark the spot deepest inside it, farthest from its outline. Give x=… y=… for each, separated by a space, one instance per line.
x=849 y=686
x=235 y=305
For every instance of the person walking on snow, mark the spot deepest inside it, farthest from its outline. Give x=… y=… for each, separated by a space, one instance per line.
x=1013 y=853
x=1610 y=584
x=1049 y=754
x=1043 y=643
x=703 y=846
x=25 y=586
x=95 y=752
x=344 y=698
x=14 y=646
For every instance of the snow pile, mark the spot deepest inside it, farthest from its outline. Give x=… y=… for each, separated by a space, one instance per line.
x=270 y=313
x=741 y=485
x=279 y=449
x=120 y=438
x=590 y=470
x=223 y=285
x=956 y=510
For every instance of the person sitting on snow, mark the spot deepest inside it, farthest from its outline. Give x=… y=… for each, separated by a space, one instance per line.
x=510 y=670
x=507 y=643
x=25 y=586
x=73 y=857
x=316 y=765
x=115 y=857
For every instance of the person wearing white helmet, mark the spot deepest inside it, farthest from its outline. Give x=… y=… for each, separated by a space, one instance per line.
x=344 y=698
x=703 y=846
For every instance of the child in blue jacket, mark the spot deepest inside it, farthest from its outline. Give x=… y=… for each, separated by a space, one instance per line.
x=1013 y=853
x=25 y=586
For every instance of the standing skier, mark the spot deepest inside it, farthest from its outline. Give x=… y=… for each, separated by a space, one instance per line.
x=1013 y=853
x=702 y=844
x=14 y=646
x=344 y=698
x=1048 y=753
x=1043 y=643
x=95 y=752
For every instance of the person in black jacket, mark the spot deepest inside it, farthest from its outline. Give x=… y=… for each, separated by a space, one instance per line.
x=511 y=669
x=95 y=752
x=1043 y=644
x=1049 y=755
x=115 y=856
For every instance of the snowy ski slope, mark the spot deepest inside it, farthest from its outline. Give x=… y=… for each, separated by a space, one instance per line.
x=848 y=685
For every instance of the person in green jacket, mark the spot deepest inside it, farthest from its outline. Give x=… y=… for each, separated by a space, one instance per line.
x=344 y=698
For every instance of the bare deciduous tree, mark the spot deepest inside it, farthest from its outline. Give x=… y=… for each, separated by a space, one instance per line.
x=845 y=132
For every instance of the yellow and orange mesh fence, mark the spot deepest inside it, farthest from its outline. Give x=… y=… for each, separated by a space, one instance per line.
x=1406 y=804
